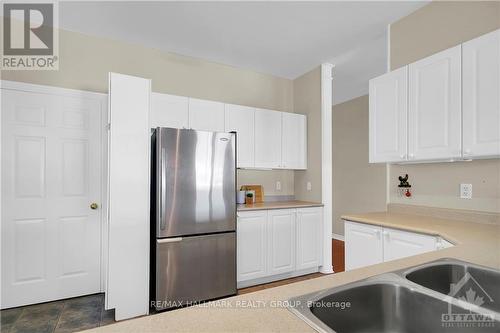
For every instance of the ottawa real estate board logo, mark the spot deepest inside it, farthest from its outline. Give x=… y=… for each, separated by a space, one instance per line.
x=30 y=36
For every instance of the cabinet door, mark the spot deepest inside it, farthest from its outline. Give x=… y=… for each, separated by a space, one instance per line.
x=169 y=111
x=241 y=120
x=481 y=96
x=281 y=242
x=267 y=139
x=363 y=245
x=388 y=116
x=401 y=244
x=435 y=107
x=294 y=141
x=206 y=115
x=309 y=240
x=251 y=245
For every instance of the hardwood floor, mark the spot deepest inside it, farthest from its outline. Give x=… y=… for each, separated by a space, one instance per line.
x=338 y=255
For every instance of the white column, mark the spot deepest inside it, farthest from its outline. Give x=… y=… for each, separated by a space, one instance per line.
x=326 y=161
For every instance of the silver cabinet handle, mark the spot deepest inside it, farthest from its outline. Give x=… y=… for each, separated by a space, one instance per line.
x=169 y=240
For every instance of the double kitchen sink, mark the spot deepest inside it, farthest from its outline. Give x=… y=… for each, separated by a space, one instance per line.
x=442 y=296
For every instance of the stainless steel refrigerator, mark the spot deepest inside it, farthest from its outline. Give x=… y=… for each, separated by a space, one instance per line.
x=193 y=216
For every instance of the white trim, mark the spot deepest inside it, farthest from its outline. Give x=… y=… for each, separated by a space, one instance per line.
x=338 y=237
x=387 y=165
x=326 y=163
x=52 y=90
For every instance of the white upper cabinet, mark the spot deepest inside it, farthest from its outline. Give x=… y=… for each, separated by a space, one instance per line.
x=434 y=115
x=206 y=115
x=481 y=96
x=388 y=116
x=169 y=111
x=294 y=141
x=267 y=139
x=241 y=120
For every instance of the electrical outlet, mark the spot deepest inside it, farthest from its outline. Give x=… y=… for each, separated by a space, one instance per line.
x=466 y=191
x=309 y=186
x=278 y=185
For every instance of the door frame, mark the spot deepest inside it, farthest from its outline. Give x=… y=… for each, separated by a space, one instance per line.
x=102 y=98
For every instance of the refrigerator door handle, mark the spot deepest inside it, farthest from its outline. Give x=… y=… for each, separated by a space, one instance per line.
x=163 y=189
x=169 y=240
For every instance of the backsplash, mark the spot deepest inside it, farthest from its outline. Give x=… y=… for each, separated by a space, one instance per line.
x=268 y=179
x=438 y=184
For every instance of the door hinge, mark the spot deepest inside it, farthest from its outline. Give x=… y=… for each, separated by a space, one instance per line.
x=108 y=126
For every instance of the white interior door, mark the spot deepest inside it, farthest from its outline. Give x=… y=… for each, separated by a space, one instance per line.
x=51 y=173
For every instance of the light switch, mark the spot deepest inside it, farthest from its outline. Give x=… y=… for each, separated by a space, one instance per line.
x=466 y=191
x=278 y=185
x=309 y=186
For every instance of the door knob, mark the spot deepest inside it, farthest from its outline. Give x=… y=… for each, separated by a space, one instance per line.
x=93 y=205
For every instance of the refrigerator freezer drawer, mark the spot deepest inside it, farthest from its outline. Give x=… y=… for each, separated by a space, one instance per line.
x=197 y=268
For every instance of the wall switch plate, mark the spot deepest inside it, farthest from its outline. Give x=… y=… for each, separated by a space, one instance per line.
x=466 y=191
x=309 y=186
x=278 y=185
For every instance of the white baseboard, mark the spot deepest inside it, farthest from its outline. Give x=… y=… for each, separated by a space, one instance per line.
x=338 y=237
x=268 y=279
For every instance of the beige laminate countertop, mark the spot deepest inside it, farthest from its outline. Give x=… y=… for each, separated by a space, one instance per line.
x=277 y=205
x=262 y=311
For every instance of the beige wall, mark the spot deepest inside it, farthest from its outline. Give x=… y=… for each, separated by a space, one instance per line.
x=85 y=62
x=431 y=29
x=268 y=180
x=307 y=100
x=357 y=185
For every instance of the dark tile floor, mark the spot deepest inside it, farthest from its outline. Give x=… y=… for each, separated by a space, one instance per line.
x=81 y=313
x=69 y=315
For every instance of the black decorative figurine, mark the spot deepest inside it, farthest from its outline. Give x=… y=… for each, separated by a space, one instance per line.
x=403 y=181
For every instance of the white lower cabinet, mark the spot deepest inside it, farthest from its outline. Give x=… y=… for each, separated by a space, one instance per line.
x=363 y=245
x=251 y=245
x=369 y=244
x=401 y=244
x=309 y=239
x=281 y=240
x=280 y=243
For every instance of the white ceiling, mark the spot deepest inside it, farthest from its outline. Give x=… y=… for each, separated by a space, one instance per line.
x=285 y=39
